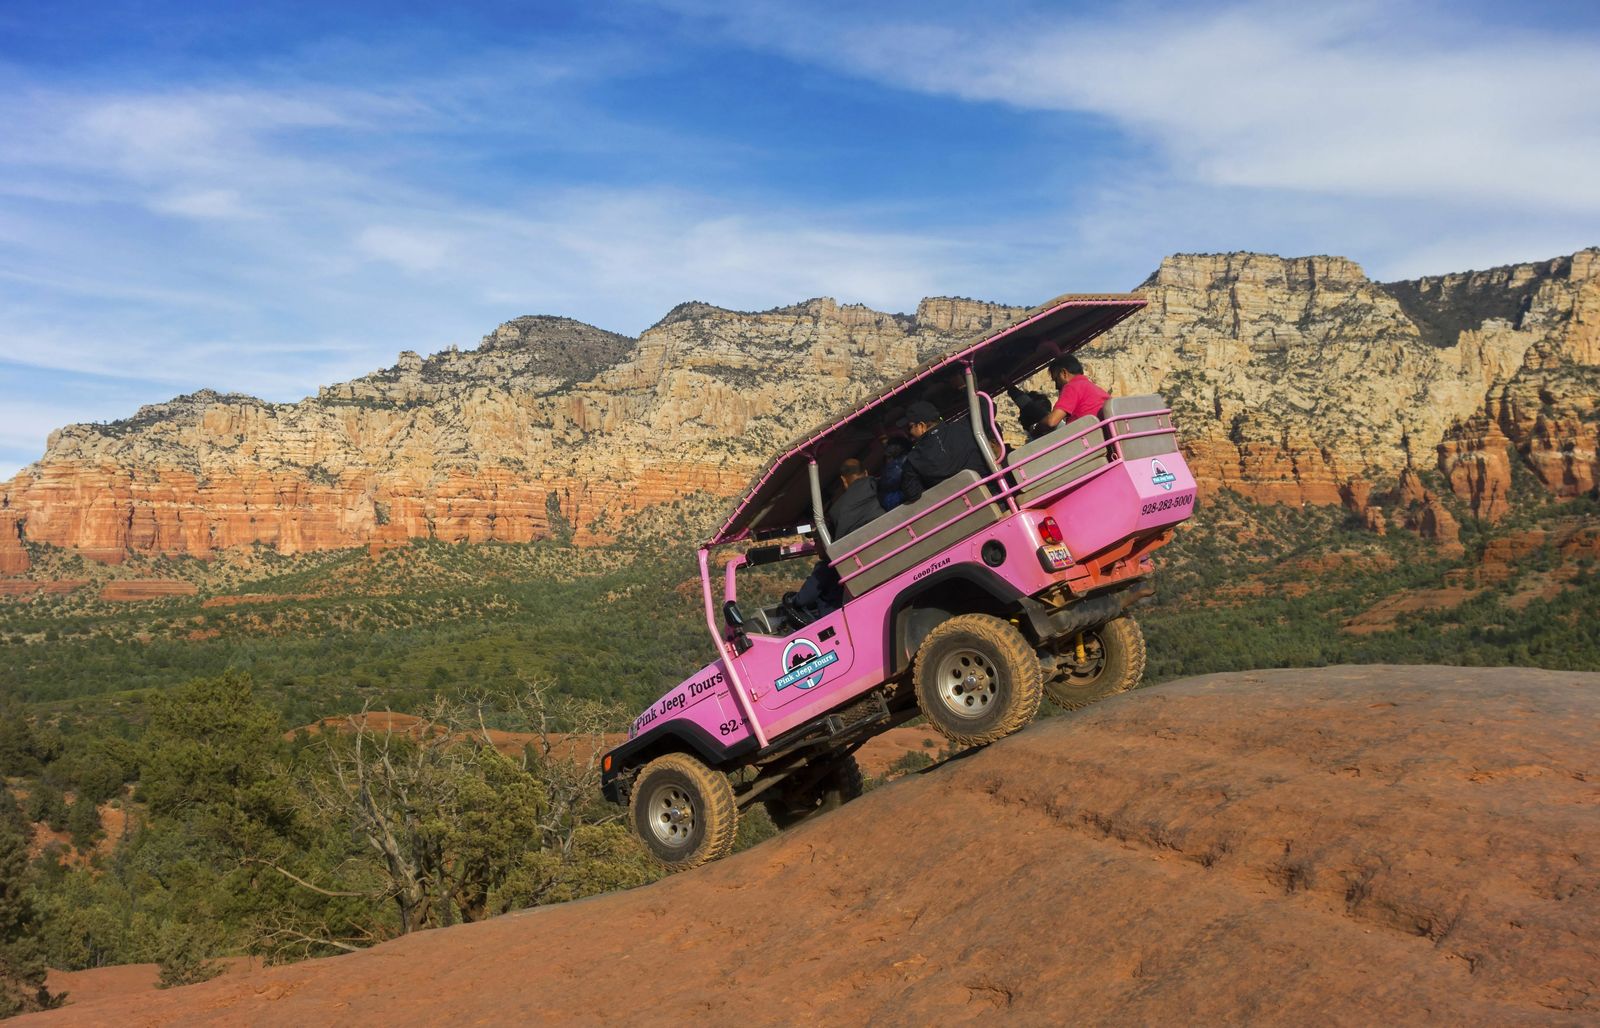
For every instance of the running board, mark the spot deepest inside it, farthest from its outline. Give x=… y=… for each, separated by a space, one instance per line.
x=863 y=719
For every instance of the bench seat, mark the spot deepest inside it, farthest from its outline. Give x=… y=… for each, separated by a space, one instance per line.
x=981 y=513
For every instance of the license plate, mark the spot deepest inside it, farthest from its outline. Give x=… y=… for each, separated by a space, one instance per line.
x=1055 y=557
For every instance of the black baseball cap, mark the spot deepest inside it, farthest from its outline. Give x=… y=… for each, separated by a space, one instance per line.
x=922 y=411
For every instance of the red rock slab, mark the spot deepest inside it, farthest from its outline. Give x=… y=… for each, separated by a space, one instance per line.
x=147 y=589
x=1381 y=616
x=881 y=752
x=1338 y=846
x=28 y=588
x=113 y=984
x=245 y=599
x=103 y=983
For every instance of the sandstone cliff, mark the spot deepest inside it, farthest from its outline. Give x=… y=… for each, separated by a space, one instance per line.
x=549 y=428
x=1299 y=381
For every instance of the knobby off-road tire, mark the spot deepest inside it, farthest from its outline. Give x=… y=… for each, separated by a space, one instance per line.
x=683 y=811
x=977 y=679
x=842 y=783
x=1116 y=664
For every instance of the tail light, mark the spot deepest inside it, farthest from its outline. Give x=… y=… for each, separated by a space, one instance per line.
x=1050 y=532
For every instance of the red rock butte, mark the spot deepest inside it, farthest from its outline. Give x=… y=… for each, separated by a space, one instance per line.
x=1349 y=845
x=1296 y=380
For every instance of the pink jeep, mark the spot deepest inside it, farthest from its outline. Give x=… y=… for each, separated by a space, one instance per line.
x=965 y=606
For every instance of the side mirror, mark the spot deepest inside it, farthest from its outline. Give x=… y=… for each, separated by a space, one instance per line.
x=735 y=620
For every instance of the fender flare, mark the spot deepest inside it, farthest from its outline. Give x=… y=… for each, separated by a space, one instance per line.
x=673 y=736
x=904 y=630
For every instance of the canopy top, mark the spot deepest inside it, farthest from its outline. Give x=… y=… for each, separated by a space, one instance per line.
x=778 y=499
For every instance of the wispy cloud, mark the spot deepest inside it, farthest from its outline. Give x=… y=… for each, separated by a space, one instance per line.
x=1366 y=99
x=275 y=226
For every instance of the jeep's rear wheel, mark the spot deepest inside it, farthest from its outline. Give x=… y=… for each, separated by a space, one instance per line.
x=841 y=783
x=1114 y=659
x=977 y=679
x=683 y=811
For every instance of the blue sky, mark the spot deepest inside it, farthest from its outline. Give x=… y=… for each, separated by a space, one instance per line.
x=269 y=197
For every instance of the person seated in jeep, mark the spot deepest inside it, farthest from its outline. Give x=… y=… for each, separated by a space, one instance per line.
x=938 y=451
x=1032 y=408
x=1079 y=396
x=855 y=506
x=895 y=451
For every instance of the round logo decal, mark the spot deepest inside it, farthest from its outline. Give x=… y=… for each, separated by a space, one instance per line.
x=798 y=652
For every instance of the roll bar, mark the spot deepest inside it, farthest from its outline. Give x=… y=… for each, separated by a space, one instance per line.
x=819 y=514
x=975 y=414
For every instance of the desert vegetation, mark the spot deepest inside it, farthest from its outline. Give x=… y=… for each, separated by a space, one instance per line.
x=198 y=776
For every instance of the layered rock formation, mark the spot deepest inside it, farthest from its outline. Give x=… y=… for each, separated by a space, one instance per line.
x=1298 y=381
x=549 y=428
x=1302 y=381
x=13 y=555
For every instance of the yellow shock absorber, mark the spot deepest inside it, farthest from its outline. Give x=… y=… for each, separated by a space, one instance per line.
x=1083 y=658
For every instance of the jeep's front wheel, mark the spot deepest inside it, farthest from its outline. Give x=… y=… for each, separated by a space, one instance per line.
x=977 y=679
x=1114 y=659
x=839 y=784
x=683 y=811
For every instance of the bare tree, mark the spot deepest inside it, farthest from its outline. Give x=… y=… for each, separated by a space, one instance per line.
x=457 y=827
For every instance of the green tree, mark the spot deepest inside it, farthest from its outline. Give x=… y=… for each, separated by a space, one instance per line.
x=83 y=821
x=209 y=744
x=181 y=955
x=20 y=747
x=22 y=967
x=46 y=804
x=96 y=766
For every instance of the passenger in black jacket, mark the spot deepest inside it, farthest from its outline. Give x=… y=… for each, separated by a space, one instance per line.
x=940 y=451
x=857 y=504
x=854 y=507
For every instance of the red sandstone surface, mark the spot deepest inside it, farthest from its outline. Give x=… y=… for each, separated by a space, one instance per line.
x=24 y=587
x=245 y=599
x=1381 y=616
x=13 y=555
x=118 y=981
x=1352 y=845
x=147 y=589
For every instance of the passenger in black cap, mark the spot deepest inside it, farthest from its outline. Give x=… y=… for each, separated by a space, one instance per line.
x=855 y=506
x=940 y=451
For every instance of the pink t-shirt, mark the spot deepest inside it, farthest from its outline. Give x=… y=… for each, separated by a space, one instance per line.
x=1080 y=397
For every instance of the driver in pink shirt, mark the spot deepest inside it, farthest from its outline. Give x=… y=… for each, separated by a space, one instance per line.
x=1079 y=396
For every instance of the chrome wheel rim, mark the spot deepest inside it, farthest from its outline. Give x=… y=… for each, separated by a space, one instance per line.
x=968 y=683
x=671 y=815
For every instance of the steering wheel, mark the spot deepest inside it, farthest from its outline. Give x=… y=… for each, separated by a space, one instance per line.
x=791 y=610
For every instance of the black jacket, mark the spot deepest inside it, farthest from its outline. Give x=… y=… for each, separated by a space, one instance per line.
x=941 y=452
x=854 y=507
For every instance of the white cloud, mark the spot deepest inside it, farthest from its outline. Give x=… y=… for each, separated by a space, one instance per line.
x=408 y=249
x=205 y=204
x=273 y=239
x=1356 y=100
